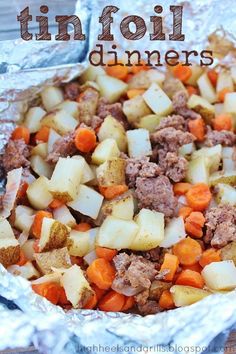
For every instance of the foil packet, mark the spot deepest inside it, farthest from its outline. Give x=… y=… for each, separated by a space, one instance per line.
x=25 y=69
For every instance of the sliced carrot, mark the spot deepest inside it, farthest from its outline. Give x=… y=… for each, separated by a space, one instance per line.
x=213 y=77
x=63 y=301
x=56 y=203
x=113 y=191
x=85 y=139
x=36 y=246
x=223 y=122
x=194 y=224
x=99 y=292
x=21 y=133
x=42 y=135
x=128 y=77
x=106 y=253
x=91 y=303
x=181 y=188
x=209 y=256
x=22 y=190
x=169 y=265
x=190 y=278
x=192 y=90
x=76 y=260
x=166 y=301
x=135 y=69
x=223 y=93
x=199 y=196
x=193 y=230
x=37 y=223
x=188 y=251
x=118 y=71
x=112 y=302
x=51 y=291
x=129 y=303
x=183 y=73
x=197 y=128
x=134 y=92
x=101 y=273
x=185 y=211
x=22 y=259
x=82 y=226
x=195 y=267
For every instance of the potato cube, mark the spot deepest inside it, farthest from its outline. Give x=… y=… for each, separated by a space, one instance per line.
x=187 y=295
x=196 y=72
x=6 y=229
x=51 y=97
x=121 y=207
x=28 y=249
x=139 y=144
x=157 y=100
x=198 y=170
x=228 y=177
x=58 y=258
x=23 y=218
x=27 y=271
x=229 y=163
x=226 y=194
x=174 y=232
x=40 y=187
x=202 y=106
x=91 y=73
x=220 y=275
x=206 y=88
x=9 y=251
x=104 y=151
x=149 y=122
x=88 y=173
x=224 y=81
x=64 y=215
x=214 y=154
x=135 y=108
x=110 y=87
x=71 y=107
x=41 y=150
x=111 y=172
x=59 y=120
x=230 y=103
x=33 y=118
x=40 y=166
x=53 y=235
x=78 y=243
x=228 y=253
x=111 y=128
x=52 y=138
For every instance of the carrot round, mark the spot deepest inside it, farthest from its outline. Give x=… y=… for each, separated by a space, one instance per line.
x=85 y=139
x=135 y=69
x=223 y=93
x=190 y=278
x=22 y=190
x=166 y=302
x=129 y=303
x=185 y=211
x=43 y=134
x=118 y=71
x=134 y=92
x=199 y=196
x=21 y=133
x=82 y=226
x=22 y=259
x=181 y=188
x=194 y=224
x=223 y=122
x=213 y=77
x=51 y=291
x=209 y=256
x=197 y=128
x=183 y=73
x=99 y=292
x=101 y=273
x=91 y=303
x=188 y=251
x=38 y=220
x=113 y=191
x=106 y=253
x=63 y=301
x=169 y=266
x=56 y=203
x=192 y=90
x=195 y=267
x=112 y=302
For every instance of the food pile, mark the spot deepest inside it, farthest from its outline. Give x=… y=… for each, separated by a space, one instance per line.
x=120 y=191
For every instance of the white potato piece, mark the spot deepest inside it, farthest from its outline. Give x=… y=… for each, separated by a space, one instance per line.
x=51 y=97
x=116 y=233
x=111 y=172
x=59 y=120
x=121 y=207
x=220 y=275
x=53 y=235
x=33 y=118
x=66 y=179
x=229 y=163
x=77 y=288
x=38 y=193
x=228 y=177
x=202 y=106
x=198 y=170
x=87 y=201
x=219 y=108
x=64 y=215
x=88 y=173
x=71 y=107
x=196 y=72
x=139 y=144
x=226 y=194
x=151 y=230
x=135 y=108
x=24 y=217
x=230 y=103
x=91 y=73
x=214 y=154
x=28 y=249
x=206 y=88
x=187 y=149
x=40 y=166
x=78 y=243
x=111 y=88
x=144 y=79
x=174 y=232
x=9 y=251
x=111 y=128
x=149 y=122
x=157 y=100
x=104 y=151
x=27 y=271
x=41 y=150
x=224 y=81
x=6 y=229
x=58 y=258
x=52 y=138
x=187 y=295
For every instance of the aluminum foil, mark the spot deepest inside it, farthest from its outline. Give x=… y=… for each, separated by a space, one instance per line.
x=25 y=69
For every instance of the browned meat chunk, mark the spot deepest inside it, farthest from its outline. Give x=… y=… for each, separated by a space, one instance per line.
x=114 y=109
x=156 y=194
x=179 y=100
x=16 y=155
x=224 y=137
x=88 y=105
x=221 y=225
x=140 y=168
x=174 y=166
x=96 y=122
x=63 y=147
x=1 y=201
x=149 y=308
x=72 y=90
x=174 y=121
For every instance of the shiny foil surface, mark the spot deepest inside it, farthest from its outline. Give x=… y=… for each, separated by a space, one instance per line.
x=25 y=68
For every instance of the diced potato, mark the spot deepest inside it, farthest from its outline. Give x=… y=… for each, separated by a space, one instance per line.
x=219 y=108
x=111 y=128
x=116 y=233
x=111 y=172
x=40 y=166
x=28 y=249
x=23 y=218
x=87 y=201
x=64 y=215
x=52 y=138
x=220 y=275
x=9 y=251
x=104 y=151
x=38 y=193
x=54 y=277
x=228 y=177
x=135 y=108
x=196 y=72
x=144 y=79
x=91 y=73
x=157 y=100
x=59 y=120
x=187 y=149
x=139 y=144
x=187 y=295
x=224 y=81
x=206 y=88
x=229 y=163
x=174 y=232
x=77 y=288
x=111 y=88
x=6 y=229
x=88 y=173
x=214 y=154
x=66 y=179
x=202 y=106
x=27 y=271
x=149 y=122
x=121 y=207
x=53 y=235
x=33 y=118
x=58 y=258
x=51 y=97
x=228 y=253
x=41 y=150
x=157 y=288
x=172 y=85
x=71 y=107
x=230 y=103
x=78 y=243
x=226 y=194
x=198 y=170
x=151 y=230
